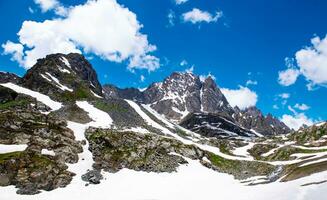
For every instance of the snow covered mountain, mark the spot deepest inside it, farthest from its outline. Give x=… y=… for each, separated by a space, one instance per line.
x=182 y=94
x=64 y=135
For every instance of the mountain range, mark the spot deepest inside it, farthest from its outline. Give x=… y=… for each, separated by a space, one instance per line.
x=60 y=126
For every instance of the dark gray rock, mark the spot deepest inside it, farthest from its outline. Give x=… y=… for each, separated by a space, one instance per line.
x=214 y=125
x=71 y=70
x=7 y=94
x=252 y=118
x=92 y=177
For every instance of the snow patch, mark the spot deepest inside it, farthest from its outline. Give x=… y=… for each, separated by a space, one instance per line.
x=65 y=61
x=96 y=94
x=48 y=152
x=8 y=148
x=40 y=97
x=59 y=85
x=100 y=118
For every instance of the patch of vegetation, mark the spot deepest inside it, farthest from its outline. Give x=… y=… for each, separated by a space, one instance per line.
x=240 y=169
x=285 y=153
x=12 y=104
x=109 y=107
x=225 y=145
x=258 y=149
x=7 y=156
x=306 y=135
x=295 y=172
x=80 y=93
x=224 y=148
x=37 y=160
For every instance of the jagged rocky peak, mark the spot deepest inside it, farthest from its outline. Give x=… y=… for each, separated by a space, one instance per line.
x=184 y=93
x=253 y=118
x=6 y=77
x=62 y=74
x=213 y=100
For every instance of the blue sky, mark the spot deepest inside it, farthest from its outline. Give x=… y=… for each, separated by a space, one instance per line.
x=247 y=40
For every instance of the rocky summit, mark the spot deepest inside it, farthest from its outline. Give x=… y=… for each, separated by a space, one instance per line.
x=61 y=130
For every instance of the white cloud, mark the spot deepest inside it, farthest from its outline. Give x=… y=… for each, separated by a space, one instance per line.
x=284 y=95
x=251 y=82
x=311 y=63
x=197 y=16
x=302 y=106
x=103 y=27
x=288 y=77
x=190 y=70
x=242 y=97
x=297 y=120
x=179 y=2
x=183 y=63
x=16 y=50
x=142 y=78
x=47 y=5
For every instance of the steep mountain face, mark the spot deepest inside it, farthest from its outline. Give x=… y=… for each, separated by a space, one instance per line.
x=184 y=93
x=63 y=77
x=252 y=118
x=178 y=95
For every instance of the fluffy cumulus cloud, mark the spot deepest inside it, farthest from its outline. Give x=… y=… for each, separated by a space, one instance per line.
x=197 y=16
x=103 y=27
x=242 y=97
x=311 y=63
x=297 y=120
x=15 y=49
x=288 y=77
